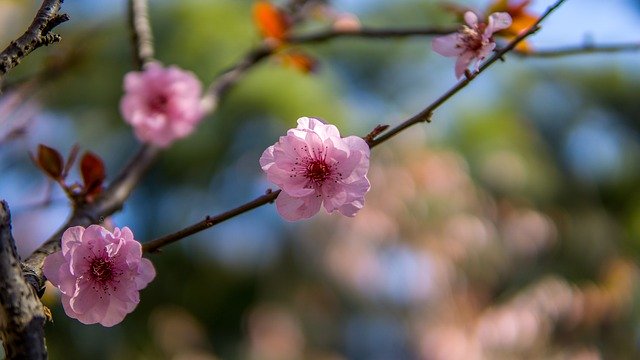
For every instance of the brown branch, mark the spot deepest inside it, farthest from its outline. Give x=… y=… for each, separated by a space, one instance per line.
x=581 y=50
x=21 y=312
x=209 y=221
x=371 y=139
x=38 y=34
x=141 y=33
x=225 y=81
x=369 y=33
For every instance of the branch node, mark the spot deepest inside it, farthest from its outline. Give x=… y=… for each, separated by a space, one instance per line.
x=379 y=129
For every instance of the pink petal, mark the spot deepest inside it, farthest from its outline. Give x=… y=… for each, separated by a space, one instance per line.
x=471 y=19
x=485 y=51
x=126 y=234
x=333 y=196
x=71 y=238
x=146 y=273
x=447 y=45
x=497 y=21
x=463 y=62
x=115 y=312
x=351 y=209
x=267 y=160
x=51 y=267
x=323 y=130
x=297 y=208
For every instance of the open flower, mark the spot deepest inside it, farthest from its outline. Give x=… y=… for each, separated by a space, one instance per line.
x=99 y=273
x=313 y=165
x=474 y=42
x=162 y=104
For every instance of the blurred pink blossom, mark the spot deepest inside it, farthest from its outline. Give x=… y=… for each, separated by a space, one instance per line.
x=162 y=104
x=473 y=42
x=99 y=273
x=313 y=165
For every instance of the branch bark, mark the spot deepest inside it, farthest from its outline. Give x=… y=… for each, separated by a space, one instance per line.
x=369 y=33
x=38 y=34
x=141 y=33
x=21 y=312
x=581 y=50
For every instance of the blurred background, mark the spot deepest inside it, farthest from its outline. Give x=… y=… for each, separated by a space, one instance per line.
x=508 y=228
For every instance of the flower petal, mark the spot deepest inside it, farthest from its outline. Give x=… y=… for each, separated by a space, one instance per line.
x=497 y=21
x=447 y=45
x=297 y=208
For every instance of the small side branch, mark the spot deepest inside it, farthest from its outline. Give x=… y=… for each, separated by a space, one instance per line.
x=369 y=33
x=209 y=221
x=38 y=34
x=21 y=313
x=581 y=50
x=141 y=34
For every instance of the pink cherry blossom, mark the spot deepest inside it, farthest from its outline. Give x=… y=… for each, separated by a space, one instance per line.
x=99 y=273
x=474 y=42
x=313 y=165
x=162 y=104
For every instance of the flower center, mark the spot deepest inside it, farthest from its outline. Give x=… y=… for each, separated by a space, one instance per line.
x=158 y=103
x=317 y=171
x=101 y=270
x=471 y=38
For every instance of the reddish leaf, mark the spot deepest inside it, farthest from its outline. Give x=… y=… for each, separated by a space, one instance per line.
x=93 y=174
x=73 y=154
x=271 y=21
x=50 y=161
x=299 y=61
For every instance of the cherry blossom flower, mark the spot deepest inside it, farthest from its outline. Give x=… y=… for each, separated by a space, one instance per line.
x=473 y=42
x=162 y=104
x=313 y=165
x=99 y=273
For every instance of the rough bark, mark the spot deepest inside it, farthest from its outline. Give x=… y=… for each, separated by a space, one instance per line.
x=21 y=312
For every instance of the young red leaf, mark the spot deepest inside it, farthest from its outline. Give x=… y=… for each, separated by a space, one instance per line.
x=50 y=161
x=271 y=21
x=73 y=154
x=299 y=61
x=93 y=173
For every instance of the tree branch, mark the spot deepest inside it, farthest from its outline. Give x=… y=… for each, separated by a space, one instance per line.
x=372 y=141
x=209 y=221
x=581 y=49
x=38 y=34
x=21 y=312
x=225 y=81
x=141 y=33
x=369 y=33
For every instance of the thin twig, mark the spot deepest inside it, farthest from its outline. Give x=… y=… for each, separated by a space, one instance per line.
x=422 y=116
x=581 y=50
x=141 y=33
x=209 y=221
x=38 y=34
x=369 y=33
x=225 y=81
